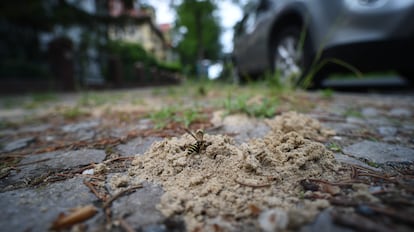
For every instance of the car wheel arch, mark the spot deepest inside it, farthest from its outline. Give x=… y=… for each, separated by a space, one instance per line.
x=294 y=17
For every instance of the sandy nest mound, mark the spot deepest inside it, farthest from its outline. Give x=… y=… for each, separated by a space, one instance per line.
x=228 y=184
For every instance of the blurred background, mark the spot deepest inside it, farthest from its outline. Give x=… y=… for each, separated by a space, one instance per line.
x=68 y=45
x=80 y=44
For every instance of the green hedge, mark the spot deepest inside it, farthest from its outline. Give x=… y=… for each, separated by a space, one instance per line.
x=130 y=53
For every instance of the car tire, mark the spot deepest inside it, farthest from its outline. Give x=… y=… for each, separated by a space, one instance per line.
x=408 y=76
x=289 y=60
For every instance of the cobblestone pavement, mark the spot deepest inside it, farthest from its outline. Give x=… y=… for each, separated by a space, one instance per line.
x=51 y=146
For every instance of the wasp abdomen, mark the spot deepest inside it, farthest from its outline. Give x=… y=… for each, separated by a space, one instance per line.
x=193 y=148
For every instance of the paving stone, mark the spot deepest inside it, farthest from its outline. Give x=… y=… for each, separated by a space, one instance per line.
x=355 y=120
x=369 y=112
x=83 y=130
x=342 y=128
x=80 y=126
x=53 y=161
x=144 y=124
x=18 y=144
x=244 y=127
x=85 y=135
x=35 y=209
x=137 y=146
x=379 y=121
x=380 y=152
x=324 y=222
x=139 y=208
x=35 y=128
x=349 y=160
x=387 y=131
x=118 y=132
x=6 y=132
x=400 y=113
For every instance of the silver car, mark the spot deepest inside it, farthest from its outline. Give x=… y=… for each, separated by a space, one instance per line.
x=313 y=38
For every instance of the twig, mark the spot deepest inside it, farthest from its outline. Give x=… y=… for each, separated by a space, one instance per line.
x=354 y=172
x=94 y=191
x=330 y=183
x=252 y=185
x=116 y=196
x=108 y=214
x=33 y=162
x=66 y=175
x=80 y=215
x=377 y=176
x=3 y=156
x=125 y=225
x=119 y=158
x=80 y=170
x=368 y=170
x=343 y=202
x=357 y=222
x=95 y=177
x=405 y=218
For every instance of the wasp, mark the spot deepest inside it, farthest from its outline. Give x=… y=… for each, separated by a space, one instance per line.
x=200 y=144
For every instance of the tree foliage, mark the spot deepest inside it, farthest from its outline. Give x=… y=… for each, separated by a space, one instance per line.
x=200 y=30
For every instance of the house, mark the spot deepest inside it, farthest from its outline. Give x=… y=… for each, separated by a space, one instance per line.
x=166 y=30
x=146 y=33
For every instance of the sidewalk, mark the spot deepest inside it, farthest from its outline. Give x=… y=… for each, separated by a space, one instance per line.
x=77 y=150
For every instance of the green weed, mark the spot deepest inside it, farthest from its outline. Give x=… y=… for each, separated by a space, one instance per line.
x=167 y=115
x=44 y=97
x=327 y=93
x=163 y=117
x=372 y=164
x=318 y=63
x=11 y=102
x=334 y=147
x=156 y=91
x=262 y=108
x=7 y=124
x=37 y=99
x=301 y=195
x=189 y=116
x=73 y=113
x=353 y=113
x=138 y=101
x=98 y=99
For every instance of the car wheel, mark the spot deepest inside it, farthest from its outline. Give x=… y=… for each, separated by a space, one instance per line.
x=408 y=76
x=288 y=57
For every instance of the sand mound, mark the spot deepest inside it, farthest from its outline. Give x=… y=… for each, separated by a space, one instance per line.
x=230 y=181
x=307 y=127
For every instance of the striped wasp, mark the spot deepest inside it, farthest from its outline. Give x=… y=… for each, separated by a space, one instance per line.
x=200 y=144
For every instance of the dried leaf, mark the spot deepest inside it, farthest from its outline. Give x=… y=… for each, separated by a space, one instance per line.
x=254 y=210
x=331 y=189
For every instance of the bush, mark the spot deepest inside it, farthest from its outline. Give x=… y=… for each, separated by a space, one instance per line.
x=171 y=67
x=132 y=53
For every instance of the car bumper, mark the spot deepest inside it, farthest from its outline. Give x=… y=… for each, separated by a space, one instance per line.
x=385 y=20
x=375 y=55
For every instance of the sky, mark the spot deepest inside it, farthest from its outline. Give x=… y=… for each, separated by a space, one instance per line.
x=229 y=14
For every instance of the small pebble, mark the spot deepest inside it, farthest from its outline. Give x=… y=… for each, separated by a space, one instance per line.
x=273 y=220
x=88 y=172
x=364 y=210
